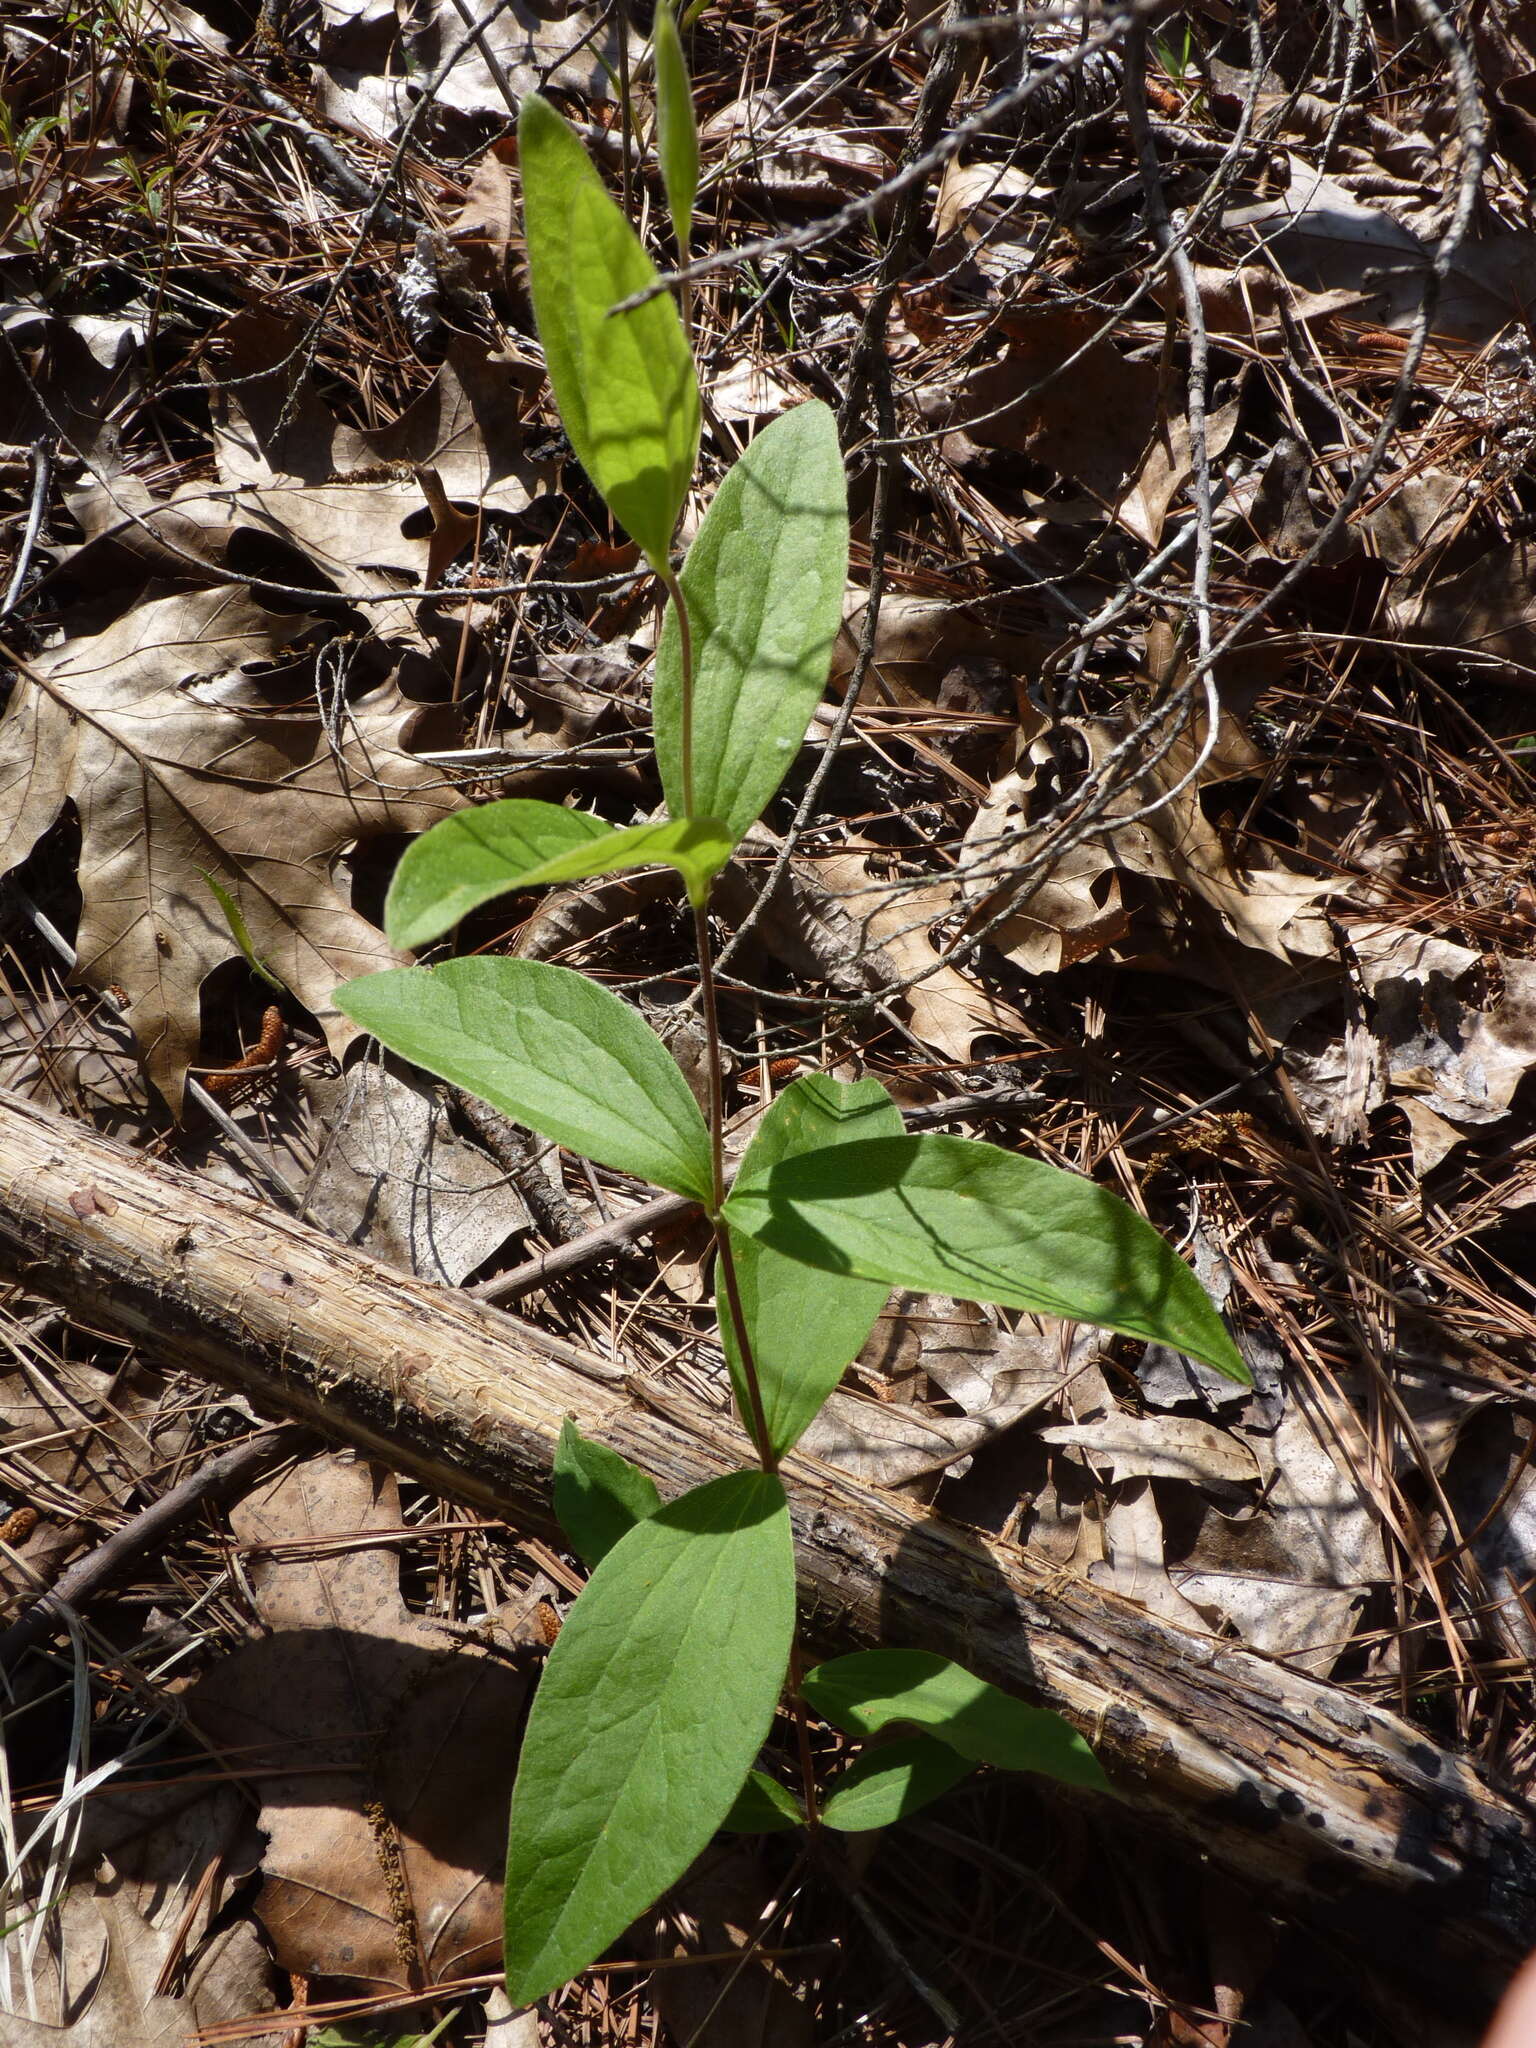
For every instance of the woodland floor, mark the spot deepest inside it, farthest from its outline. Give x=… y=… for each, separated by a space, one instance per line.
x=1190 y=377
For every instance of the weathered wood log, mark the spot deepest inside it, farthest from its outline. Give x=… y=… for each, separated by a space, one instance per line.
x=1313 y=1795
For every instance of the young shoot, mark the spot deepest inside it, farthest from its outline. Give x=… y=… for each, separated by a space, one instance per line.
x=646 y=1731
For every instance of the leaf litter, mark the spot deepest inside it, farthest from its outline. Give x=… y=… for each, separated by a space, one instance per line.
x=1278 y=992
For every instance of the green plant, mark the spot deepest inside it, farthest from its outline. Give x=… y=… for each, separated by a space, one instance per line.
x=664 y=1683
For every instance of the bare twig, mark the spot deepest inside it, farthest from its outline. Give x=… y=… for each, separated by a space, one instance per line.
x=233 y=1471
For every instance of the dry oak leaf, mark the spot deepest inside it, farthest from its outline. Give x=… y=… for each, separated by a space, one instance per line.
x=387 y=1834
x=169 y=780
x=1077 y=907
x=945 y=1010
x=110 y=1942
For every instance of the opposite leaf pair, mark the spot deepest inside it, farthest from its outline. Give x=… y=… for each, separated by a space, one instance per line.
x=662 y=1688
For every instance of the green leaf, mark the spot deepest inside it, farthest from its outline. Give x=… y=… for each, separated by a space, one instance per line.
x=490 y=849
x=553 y=1050
x=625 y=385
x=763 y=584
x=654 y=1703
x=955 y=1216
x=677 y=136
x=884 y=1785
x=763 y=1807
x=240 y=932
x=872 y=1689
x=804 y=1327
x=599 y=1496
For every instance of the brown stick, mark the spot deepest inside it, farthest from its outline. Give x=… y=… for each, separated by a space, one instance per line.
x=1313 y=1794
x=233 y=1471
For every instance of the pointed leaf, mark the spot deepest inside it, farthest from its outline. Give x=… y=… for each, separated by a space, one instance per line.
x=553 y=1050
x=763 y=1807
x=485 y=851
x=884 y=1785
x=234 y=917
x=804 y=1327
x=955 y=1216
x=654 y=1703
x=599 y=1496
x=764 y=588
x=624 y=384
x=872 y=1689
x=677 y=136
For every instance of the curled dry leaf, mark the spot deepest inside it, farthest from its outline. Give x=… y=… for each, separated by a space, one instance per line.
x=890 y=929
x=169 y=784
x=1326 y=238
x=1161 y=1447
x=112 y=1940
x=1079 y=906
x=1063 y=394
x=396 y=1178
x=995 y=1377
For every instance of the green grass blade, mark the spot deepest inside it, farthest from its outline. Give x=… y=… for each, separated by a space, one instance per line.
x=239 y=931
x=677 y=135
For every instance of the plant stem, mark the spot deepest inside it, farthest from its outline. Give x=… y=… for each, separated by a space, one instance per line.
x=756 y=1419
x=802 y=1723
x=674 y=591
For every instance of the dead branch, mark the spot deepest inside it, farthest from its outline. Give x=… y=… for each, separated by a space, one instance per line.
x=1315 y=1796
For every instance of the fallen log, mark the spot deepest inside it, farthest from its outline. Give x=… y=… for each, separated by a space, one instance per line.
x=1315 y=1797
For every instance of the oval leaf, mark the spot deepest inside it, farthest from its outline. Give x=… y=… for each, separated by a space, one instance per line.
x=551 y=1049
x=874 y=1688
x=763 y=1807
x=625 y=386
x=955 y=1216
x=677 y=135
x=763 y=584
x=884 y=1785
x=599 y=1496
x=654 y=1703
x=485 y=851
x=804 y=1327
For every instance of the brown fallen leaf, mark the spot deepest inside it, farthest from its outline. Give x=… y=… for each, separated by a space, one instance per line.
x=487 y=220
x=1064 y=395
x=1078 y=907
x=1485 y=608
x=1135 y=1563
x=395 y=1177
x=997 y=1378
x=169 y=780
x=1292 y=1581
x=919 y=639
x=385 y=1844
x=946 y=1010
x=1161 y=1447
x=112 y=1939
